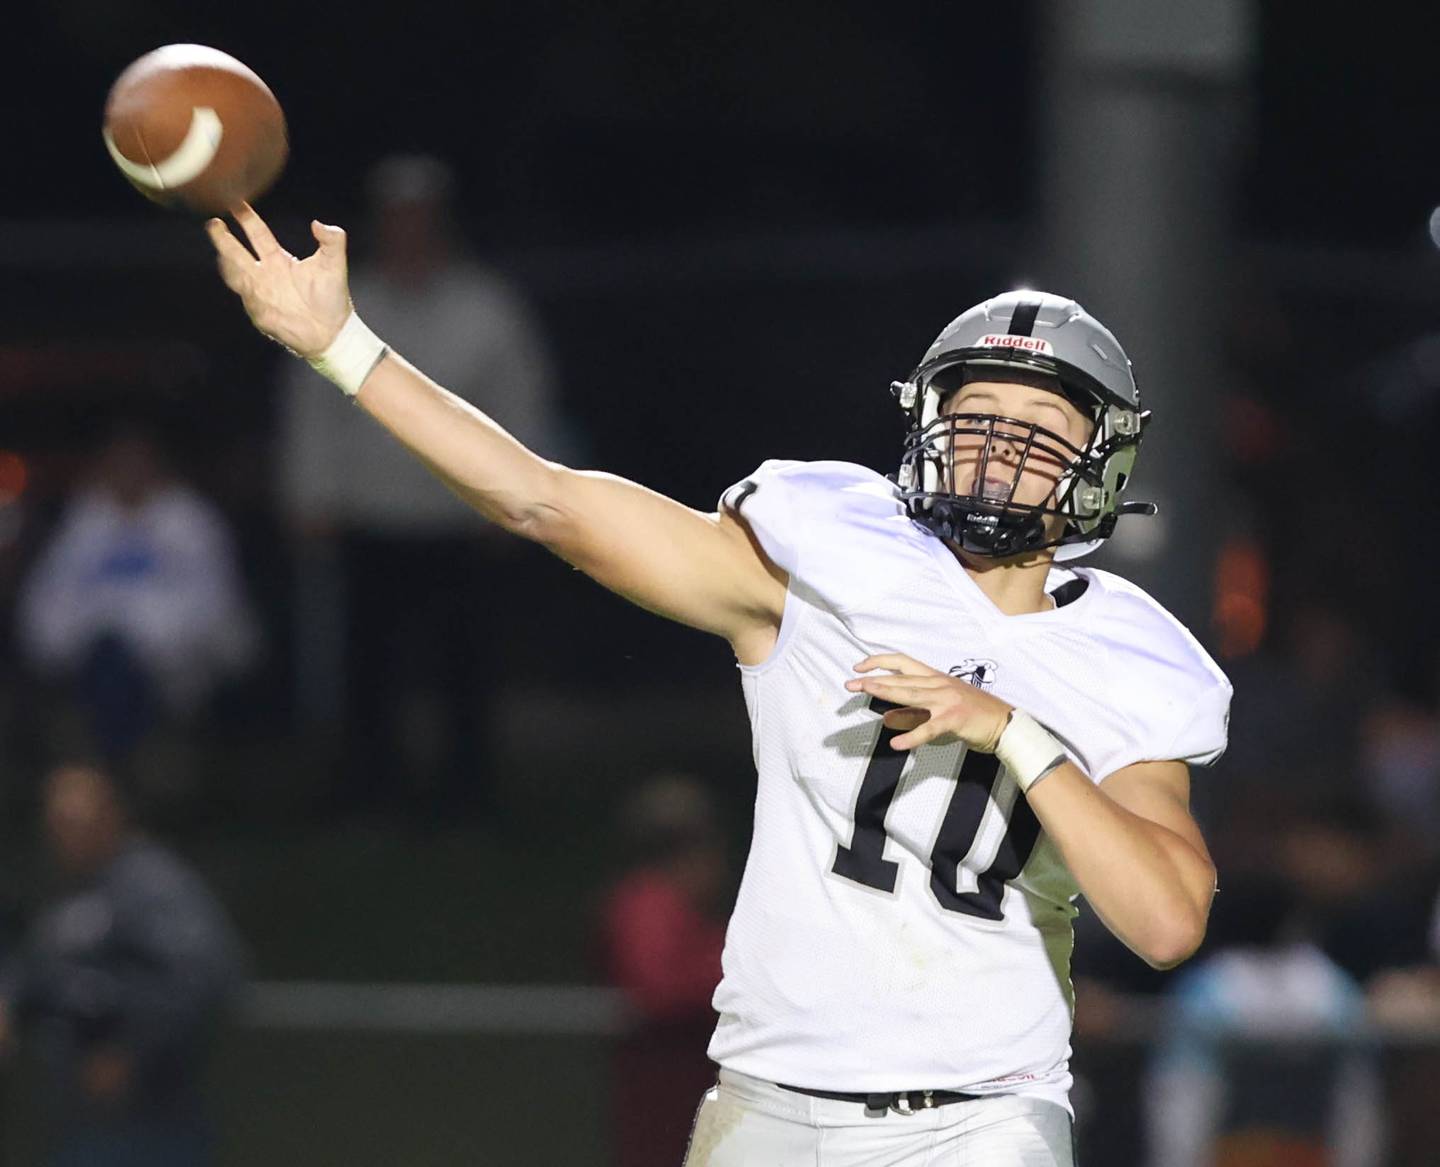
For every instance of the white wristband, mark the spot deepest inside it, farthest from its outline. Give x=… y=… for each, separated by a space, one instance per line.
x=351 y=356
x=1028 y=750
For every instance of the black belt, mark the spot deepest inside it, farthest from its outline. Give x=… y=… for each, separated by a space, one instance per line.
x=900 y=1101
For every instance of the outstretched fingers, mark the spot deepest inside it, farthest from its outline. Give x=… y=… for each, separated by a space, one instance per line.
x=330 y=240
x=257 y=231
x=897 y=662
x=899 y=688
x=327 y=235
x=235 y=261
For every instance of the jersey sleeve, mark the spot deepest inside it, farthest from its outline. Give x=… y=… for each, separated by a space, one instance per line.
x=1202 y=738
x=773 y=508
x=1176 y=696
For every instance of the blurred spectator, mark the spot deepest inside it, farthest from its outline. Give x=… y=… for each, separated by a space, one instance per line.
x=1217 y=1097
x=1405 y=1002
x=663 y=931
x=1362 y=900
x=1400 y=761
x=135 y=607
x=1319 y=672
x=118 y=986
x=415 y=572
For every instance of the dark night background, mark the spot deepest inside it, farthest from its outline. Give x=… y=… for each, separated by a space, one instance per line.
x=645 y=120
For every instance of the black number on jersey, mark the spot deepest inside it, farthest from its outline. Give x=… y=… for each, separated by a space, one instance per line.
x=864 y=859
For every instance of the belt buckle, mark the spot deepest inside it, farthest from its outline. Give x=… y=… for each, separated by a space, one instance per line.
x=902 y=1104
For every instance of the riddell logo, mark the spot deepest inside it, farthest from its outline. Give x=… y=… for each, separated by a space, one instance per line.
x=1032 y=344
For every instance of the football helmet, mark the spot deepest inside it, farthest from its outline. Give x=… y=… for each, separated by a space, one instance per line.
x=1044 y=340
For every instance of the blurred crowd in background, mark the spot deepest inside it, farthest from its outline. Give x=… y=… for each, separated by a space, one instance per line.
x=255 y=657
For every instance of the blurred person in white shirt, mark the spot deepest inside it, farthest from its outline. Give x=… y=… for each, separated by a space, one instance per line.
x=135 y=607
x=391 y=560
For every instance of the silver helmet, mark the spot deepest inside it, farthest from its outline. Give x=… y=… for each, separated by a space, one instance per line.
x=1044 y=340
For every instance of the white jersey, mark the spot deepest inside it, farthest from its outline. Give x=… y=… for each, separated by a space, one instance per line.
x=903 y=922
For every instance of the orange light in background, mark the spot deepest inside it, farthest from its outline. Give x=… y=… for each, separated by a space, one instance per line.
x=1242 y=597
x=14 y=476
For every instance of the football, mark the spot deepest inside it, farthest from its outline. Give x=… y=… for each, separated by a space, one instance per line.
x=192 y=127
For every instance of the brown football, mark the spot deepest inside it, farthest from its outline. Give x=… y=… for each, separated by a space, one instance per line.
x=192 y=127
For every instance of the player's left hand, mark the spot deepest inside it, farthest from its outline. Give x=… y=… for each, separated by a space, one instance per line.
x=936 y=706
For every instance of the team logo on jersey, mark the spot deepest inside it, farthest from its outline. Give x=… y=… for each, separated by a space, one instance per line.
x=979 y=671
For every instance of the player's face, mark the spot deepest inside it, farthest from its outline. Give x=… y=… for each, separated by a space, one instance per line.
x=1033 y=476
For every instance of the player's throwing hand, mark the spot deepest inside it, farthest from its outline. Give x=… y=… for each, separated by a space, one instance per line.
x=936 y=706
x=301 y=303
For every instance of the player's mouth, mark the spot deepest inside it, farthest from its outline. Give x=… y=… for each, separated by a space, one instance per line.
x=993 y=489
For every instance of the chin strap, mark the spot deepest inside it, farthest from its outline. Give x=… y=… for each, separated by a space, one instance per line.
x=989 y=535
x=979 y=531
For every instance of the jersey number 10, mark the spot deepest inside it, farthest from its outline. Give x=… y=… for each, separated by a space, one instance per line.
x=864 y=860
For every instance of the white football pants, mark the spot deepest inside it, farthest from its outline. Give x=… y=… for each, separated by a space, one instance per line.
x=744 y=1122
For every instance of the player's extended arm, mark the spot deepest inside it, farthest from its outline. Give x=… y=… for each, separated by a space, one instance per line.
x=702 y=570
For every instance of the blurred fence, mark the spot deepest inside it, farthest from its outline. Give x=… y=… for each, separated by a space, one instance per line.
x=421 y=1075
x=511 y=1076
x=505 y=1074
